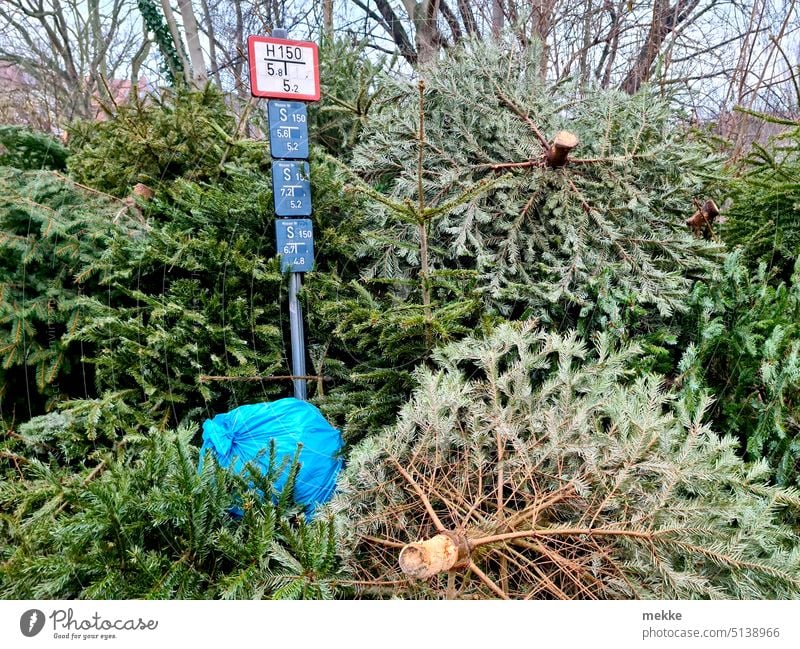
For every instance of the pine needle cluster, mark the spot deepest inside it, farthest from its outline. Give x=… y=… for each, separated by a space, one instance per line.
x=25 y=149
x=763 y=217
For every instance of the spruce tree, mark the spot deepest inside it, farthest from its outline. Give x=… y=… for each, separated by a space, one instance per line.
x=744 y=348
x=139 y=521
x=472 y=216
x=546 y=468
x=588 y=238
x=22 y=148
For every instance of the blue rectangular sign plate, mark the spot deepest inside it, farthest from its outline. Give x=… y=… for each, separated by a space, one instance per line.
x=295 y=239
x=291 y=187
x=288 y=130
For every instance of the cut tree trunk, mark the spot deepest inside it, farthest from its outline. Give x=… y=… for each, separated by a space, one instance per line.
x=443 y=552
x=563 y=143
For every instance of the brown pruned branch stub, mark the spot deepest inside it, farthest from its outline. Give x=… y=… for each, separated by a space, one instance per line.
x=700 y=223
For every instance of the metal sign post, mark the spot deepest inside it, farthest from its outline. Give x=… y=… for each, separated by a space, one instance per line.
x=289 y=70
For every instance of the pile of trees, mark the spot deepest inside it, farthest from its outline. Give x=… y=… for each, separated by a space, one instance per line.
x=549 y=385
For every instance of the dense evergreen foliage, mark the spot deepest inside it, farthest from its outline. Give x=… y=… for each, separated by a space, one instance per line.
x=654 y=402
x=143 y=523
x=585 y=243
x=764 y=217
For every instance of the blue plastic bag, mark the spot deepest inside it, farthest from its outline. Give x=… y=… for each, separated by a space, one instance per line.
x=244 y=435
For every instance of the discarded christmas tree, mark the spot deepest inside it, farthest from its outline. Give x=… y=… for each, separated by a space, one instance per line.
x=493 y=195
x=585 y=222
x=531 y=465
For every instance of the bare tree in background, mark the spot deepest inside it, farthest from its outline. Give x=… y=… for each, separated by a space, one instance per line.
x=65 y=49
x=711 y=52
x=225 y=25
x=712 y=55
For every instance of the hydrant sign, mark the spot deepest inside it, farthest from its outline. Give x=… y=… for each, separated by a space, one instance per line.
x=295 y=239
x=283 y=69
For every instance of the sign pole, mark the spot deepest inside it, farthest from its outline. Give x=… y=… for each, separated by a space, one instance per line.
x=297 y=336
x=281 y=69
x=296 y=333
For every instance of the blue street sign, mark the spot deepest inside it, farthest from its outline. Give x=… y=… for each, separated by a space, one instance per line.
x=288 y=130
x=295 y=244
x=291 y=187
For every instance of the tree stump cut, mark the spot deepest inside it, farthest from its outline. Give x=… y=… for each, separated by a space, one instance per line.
x=563 y=143
x=424 y=559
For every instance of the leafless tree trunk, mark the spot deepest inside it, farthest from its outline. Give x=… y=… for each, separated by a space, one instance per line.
x=666 y=18
x=327 y=18
x=586 y=43
x=198 y=73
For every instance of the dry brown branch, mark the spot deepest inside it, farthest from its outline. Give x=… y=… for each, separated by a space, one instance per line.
x=423 y=498
x=206 y=378
x=541 y=505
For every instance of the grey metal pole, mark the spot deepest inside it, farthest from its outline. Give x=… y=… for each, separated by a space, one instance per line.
x=297 y=337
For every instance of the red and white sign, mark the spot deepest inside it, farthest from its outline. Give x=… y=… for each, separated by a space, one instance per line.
x=283 y=69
